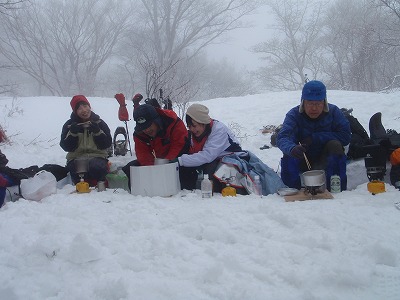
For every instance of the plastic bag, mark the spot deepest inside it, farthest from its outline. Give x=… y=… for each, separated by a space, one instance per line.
x=41 y=185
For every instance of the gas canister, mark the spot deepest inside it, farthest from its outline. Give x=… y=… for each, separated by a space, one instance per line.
x=376 y=187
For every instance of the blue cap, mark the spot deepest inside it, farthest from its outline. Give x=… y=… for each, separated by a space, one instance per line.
x=314 y=91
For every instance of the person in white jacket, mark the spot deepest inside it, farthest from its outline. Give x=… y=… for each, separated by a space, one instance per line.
x=210 y=140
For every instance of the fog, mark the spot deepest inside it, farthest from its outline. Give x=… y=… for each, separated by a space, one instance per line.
x=196 y=50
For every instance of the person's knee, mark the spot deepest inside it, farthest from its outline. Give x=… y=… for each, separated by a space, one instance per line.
x=188 y=178
x=290 y=172
x=127 y=168
x=334 y=147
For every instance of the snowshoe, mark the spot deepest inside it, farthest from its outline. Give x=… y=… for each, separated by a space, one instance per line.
x=120 y=143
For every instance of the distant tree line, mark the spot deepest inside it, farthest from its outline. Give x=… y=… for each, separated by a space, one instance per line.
x=98 y=48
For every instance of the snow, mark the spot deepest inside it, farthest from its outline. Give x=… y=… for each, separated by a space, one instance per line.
x=113 y=245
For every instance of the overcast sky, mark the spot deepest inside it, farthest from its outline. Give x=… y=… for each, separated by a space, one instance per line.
x=237 y=48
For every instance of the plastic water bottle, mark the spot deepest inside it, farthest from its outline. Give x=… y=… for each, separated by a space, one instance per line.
x=206 y=187
x=257 y=186
x=335 y=184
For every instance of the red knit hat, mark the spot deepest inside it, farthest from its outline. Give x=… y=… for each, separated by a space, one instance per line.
x=77 y=99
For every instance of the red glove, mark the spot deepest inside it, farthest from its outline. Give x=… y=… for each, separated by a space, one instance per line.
x=137 y=98
x=120 y=98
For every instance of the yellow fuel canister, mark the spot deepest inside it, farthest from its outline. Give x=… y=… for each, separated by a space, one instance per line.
x=376 y=187
x=228 y=191
x=82 y=187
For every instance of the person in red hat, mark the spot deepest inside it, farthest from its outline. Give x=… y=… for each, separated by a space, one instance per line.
x=86 y=135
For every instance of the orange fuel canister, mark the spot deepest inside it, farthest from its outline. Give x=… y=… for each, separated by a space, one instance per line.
x=376 y=187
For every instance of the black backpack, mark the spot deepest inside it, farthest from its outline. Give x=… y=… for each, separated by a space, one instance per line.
x=359 y=136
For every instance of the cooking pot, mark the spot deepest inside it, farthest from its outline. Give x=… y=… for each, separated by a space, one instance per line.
x=314 y=178
x=81 y=165
x=160 y=161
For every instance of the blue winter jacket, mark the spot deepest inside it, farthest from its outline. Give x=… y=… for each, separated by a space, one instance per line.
x=331 y=125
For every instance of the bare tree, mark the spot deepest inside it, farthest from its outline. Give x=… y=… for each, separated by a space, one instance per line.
x=171 y=33
x=295 y=50
x=62 y=44
x=389 y=36
x=356 y=58
x=10 y=4
x=9 y=87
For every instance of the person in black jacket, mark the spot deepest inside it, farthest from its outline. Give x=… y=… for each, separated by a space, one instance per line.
x=86 y=136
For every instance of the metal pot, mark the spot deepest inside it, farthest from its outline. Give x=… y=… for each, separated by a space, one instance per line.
x=160 y=161
x=314 y=178
x=81 y=165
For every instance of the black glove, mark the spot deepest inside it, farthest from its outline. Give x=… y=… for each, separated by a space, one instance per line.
x=3 y=160
x=298 y=151
x=306 y=143
x=74 y=128
x=94 y=127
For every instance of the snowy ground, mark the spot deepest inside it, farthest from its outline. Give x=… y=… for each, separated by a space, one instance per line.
x=112 y=245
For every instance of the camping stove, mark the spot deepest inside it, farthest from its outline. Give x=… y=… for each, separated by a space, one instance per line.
x=375 y=162
x=314 y=190
x=314 y=182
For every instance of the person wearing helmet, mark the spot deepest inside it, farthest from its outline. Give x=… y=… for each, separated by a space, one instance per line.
x=317 y=130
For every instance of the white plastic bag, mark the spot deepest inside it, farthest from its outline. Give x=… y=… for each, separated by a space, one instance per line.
x=41 y=185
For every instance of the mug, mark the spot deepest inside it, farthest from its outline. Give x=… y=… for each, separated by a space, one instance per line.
x=101 y=186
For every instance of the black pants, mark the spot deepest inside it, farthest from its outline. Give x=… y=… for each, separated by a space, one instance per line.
x=188 y=176
x=127 y=170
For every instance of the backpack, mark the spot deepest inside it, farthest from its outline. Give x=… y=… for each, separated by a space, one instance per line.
x=359 y=136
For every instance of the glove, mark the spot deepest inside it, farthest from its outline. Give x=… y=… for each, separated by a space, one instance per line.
x=94 y=128
x=3 y=160
x=298 y=151
x=74 y=128
x=306 y=143
x=120 y=98
x=137 y=98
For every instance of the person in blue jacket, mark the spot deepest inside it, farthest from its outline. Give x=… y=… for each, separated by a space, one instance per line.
x=320 y=131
